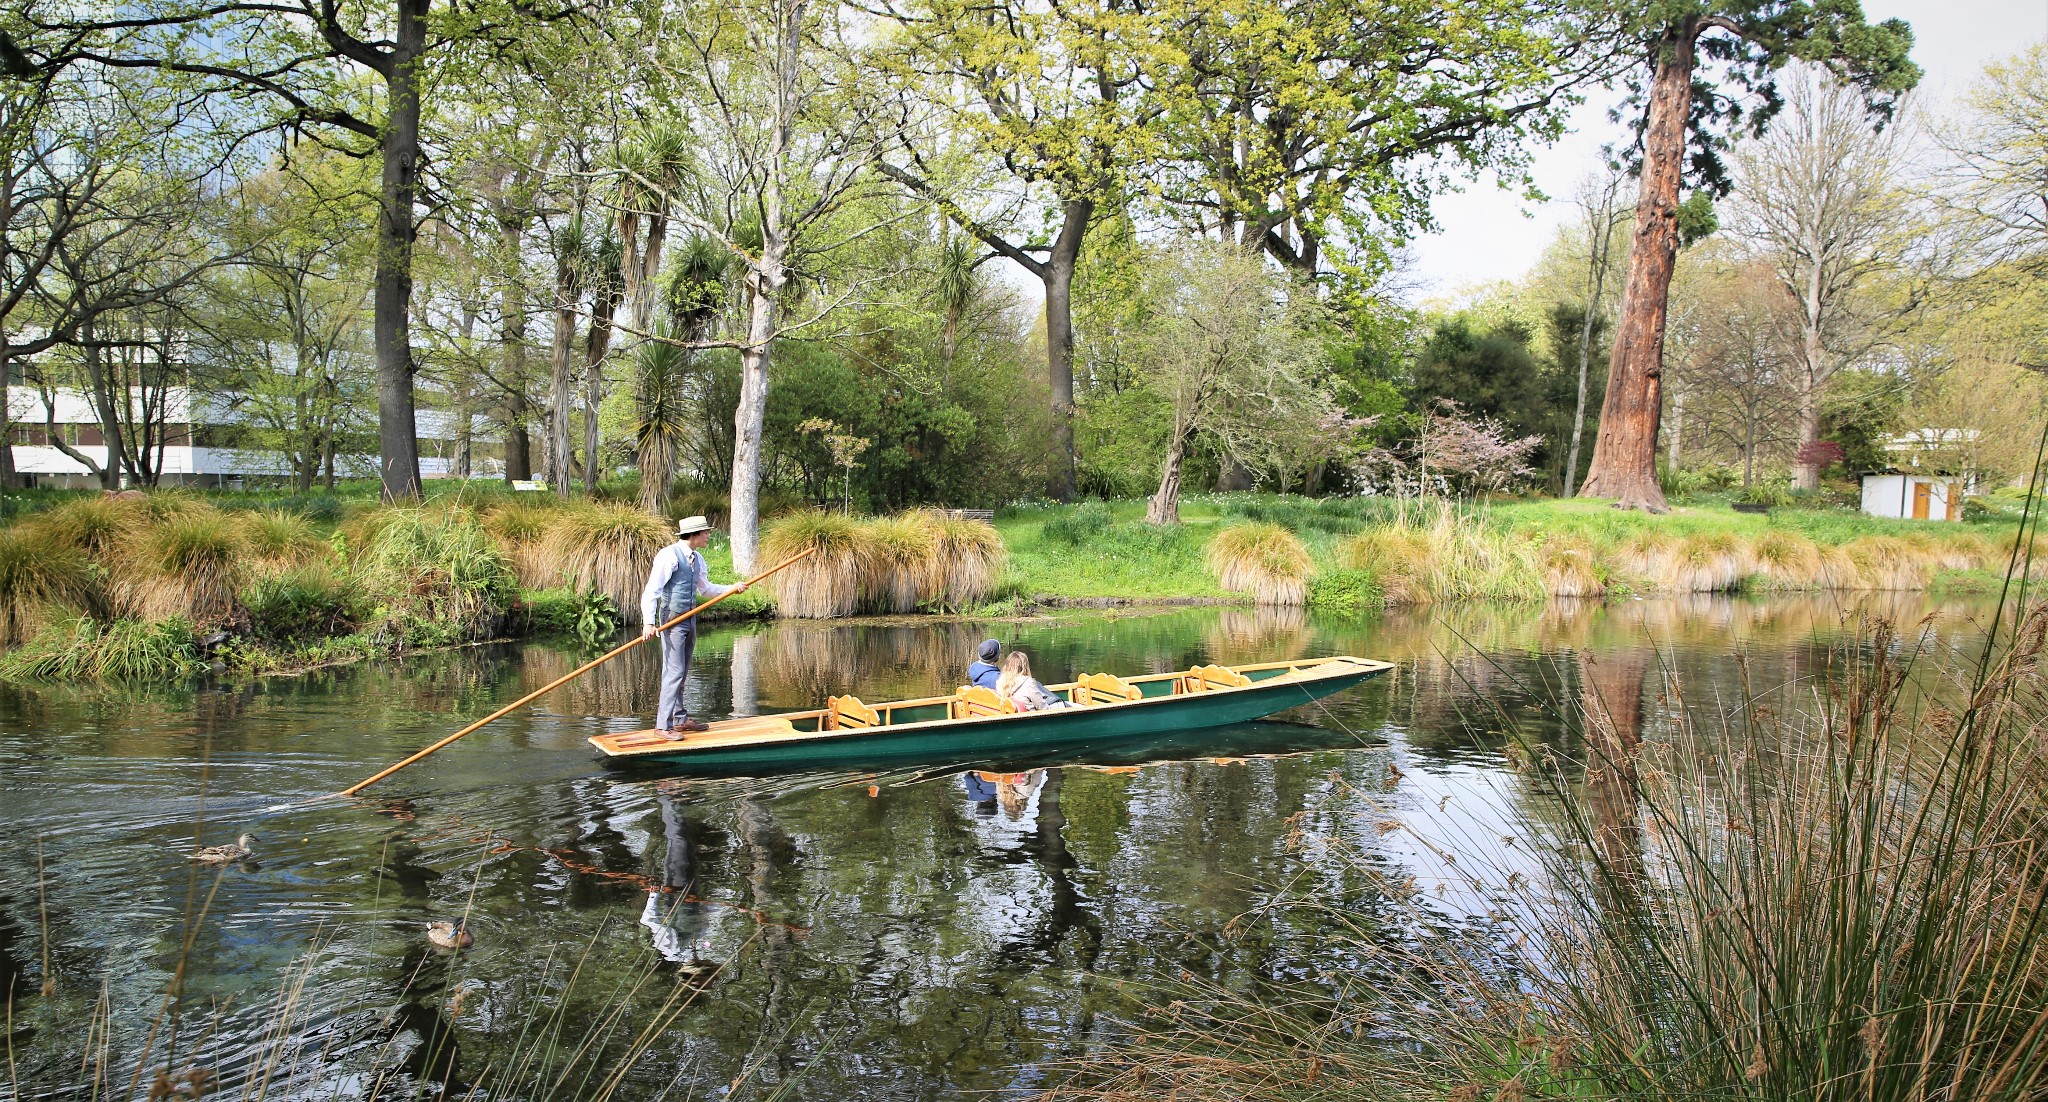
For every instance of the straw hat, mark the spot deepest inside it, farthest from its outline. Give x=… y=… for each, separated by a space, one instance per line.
x=690 y=526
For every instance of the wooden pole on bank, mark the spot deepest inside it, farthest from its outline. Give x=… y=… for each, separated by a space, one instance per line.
x=567 y=677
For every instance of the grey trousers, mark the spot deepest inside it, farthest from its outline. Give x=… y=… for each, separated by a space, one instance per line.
x=677 y=645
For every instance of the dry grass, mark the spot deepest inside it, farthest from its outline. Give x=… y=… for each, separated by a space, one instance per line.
x=609 y=548
x=1571 y=566
x=1787 y=560
x=827 y=583
x=1887 y=562
x=518 y=527
x=1264 y=560
x=1397 y=557
x=899 y=563
x=970 y=559
x=40 y=577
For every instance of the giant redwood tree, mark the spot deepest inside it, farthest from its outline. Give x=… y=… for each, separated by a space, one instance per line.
x=1712 y=69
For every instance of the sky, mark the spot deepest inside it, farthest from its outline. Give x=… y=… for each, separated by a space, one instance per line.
x=1489 y=233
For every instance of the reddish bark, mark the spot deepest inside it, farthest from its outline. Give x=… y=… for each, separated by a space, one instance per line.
x=1624 y=463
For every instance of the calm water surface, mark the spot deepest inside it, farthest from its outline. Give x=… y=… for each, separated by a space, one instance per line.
x=910 y=935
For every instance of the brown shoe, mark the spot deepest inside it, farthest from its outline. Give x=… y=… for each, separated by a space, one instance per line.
x=691 y=726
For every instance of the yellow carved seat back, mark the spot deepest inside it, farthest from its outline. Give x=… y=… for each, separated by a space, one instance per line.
x=1201 y=679
x=849 y=714
x=1104 y=688
x=975 y=701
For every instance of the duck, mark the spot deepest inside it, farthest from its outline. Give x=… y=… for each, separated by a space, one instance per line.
x=450 y=935
x=238 y=850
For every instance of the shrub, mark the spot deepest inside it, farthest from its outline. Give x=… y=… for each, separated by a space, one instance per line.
x=39 y=575
x=608 y=548
x=585 y=615
x=1078 y=524
x=437 y=576
x=828 y=582
x=1766 y=491
x=129 y=650
x=1265 y=560
x=1345 y=592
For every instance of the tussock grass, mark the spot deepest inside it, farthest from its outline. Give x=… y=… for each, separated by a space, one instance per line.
x=970 y=559
x=40 y=577
x=1786 y=560
x=1264 y=560
x=1887 y=562
x=1571 y=566
x=99 y=526
x=519 y=527
x=1397 y=559
x=606 y=548
x=282 y=539
x=827 y=583
x=306 y=601
x=899 y=564
x=438 y=576
x=191 y=565
x=1440 y=553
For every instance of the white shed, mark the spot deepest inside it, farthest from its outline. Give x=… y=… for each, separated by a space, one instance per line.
x=1918 y=496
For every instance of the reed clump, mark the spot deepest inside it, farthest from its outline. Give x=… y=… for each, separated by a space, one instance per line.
x=1441 y=553
x=519 y=526
x=99 y=526
x=606 y=548
x=41 y=577
x=1397 y=560
x=827 y=583
x=1886 y=562
x=1264 y=560
x=1786 y=560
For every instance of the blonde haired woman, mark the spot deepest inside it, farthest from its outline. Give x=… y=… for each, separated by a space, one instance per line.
x=1017 y=686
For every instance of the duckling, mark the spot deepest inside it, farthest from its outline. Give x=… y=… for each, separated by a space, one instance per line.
x=450 y=935
x=238 y=850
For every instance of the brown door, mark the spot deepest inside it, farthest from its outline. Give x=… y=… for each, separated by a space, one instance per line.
x=1923 y=493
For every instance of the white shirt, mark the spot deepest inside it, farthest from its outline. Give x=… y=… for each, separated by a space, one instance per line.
x=666 y=562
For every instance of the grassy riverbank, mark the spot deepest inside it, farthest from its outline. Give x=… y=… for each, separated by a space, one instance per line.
x=164 y=584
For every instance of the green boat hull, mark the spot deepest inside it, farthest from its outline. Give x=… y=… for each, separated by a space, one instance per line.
x=981 y=740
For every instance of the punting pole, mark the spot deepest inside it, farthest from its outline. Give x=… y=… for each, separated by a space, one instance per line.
x=565 y=678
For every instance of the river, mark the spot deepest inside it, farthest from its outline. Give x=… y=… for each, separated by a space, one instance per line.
x=901 y=936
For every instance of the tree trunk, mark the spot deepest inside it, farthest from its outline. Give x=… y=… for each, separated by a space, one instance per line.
x=561 y=471
x=1625 y=449
x=595 y=349
x=765 y=278
x=1059 y=340
x=1806 y=476
x=398 y=444
x=1231 y=477
x=1597 y=260
x=1611 y=691
x=6 y=427
x=518 y=446
x=749 y=420
x=1677 y=427
x=1165 y=505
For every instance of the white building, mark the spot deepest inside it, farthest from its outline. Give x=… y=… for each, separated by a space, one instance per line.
x=1928 y=479
x=191 y=452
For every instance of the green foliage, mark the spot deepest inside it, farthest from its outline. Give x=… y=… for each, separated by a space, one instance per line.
x=128 y=650
x=1079 y=524
x=437 y=577
x=1345 y=592
x=301 y=603
x=1490 y=373
x=589 y=617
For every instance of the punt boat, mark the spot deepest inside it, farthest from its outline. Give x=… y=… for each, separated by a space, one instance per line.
x=974 y=723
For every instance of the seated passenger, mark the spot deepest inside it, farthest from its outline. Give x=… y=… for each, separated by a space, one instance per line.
x=984 y=671
x=1025 y=691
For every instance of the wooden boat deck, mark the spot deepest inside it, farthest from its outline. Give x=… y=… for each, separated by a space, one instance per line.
x=961 y=709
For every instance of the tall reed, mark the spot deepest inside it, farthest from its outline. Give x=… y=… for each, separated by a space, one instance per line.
x=899 y=563
x=970 y=559
x=1264 y=560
